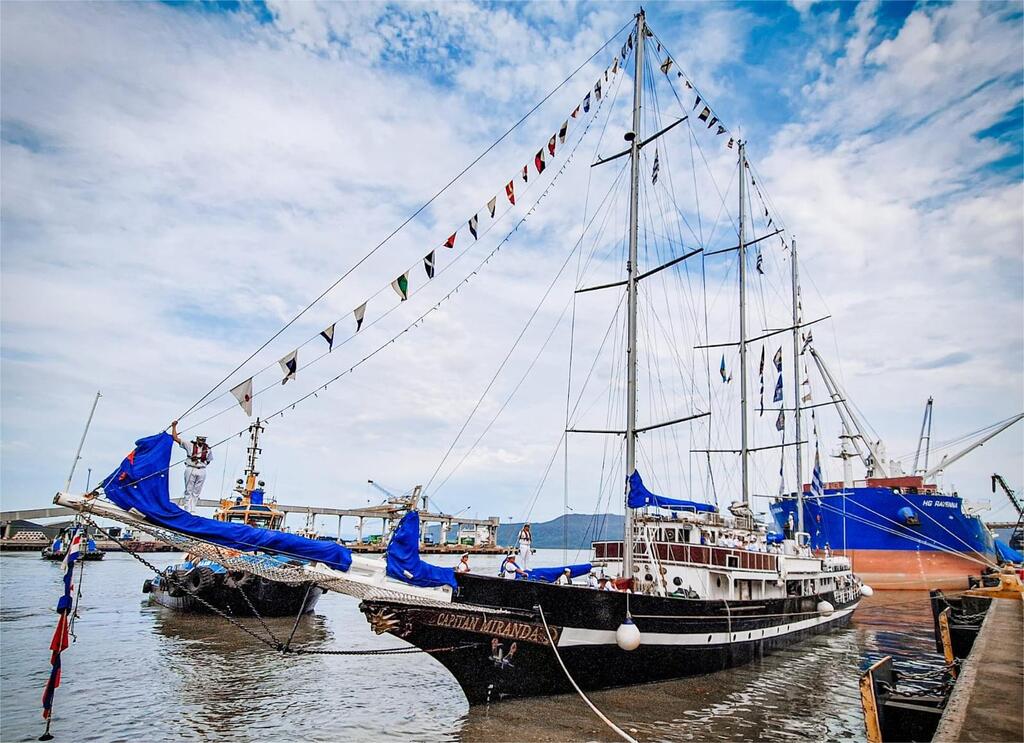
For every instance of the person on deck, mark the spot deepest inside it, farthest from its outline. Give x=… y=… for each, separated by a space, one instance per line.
x=463 y=566
x=198 y=456
x=510 y=570
x=525 y=545
x=565 y=579
x=591 y=580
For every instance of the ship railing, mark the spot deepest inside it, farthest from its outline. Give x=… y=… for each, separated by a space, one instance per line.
x=694 y=554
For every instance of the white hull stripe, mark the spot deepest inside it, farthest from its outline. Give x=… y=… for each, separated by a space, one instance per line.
x=572 y=636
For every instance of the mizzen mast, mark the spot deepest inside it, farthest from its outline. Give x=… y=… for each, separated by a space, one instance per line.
x=744 y=444
x=631 y=273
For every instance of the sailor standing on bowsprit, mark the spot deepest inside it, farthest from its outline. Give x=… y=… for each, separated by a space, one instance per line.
x=198 y=456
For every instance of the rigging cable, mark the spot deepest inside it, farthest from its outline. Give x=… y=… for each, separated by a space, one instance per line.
x=409 y=219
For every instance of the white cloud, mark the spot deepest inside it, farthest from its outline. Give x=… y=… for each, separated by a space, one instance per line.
x=183 y=182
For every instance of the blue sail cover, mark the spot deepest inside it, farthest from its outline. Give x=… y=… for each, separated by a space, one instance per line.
x=640 y=496
x=140 y=484
x=404 y=561
x=1008 y=553
x=550 y=575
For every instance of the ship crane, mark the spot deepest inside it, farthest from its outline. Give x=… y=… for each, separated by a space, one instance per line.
x=949 y=459
x=1016 y=540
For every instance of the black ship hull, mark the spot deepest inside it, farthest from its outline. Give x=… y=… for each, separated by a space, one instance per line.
x=494 y=642
x=188 y=590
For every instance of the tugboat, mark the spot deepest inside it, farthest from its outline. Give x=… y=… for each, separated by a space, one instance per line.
x=58 y=548
x=187 y=585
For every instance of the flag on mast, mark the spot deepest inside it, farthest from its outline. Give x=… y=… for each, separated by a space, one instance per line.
x=359 y=313
x=428 y=264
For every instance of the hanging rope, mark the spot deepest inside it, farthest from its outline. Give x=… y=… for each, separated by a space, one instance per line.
x=604 y=718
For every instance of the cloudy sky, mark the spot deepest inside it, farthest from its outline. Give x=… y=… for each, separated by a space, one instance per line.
x=179 y=181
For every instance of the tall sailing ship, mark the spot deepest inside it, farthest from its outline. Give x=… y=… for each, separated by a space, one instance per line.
x=699 y=589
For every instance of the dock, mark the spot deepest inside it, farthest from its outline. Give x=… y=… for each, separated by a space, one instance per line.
x=987 y=703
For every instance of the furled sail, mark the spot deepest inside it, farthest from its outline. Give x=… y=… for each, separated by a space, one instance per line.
x=640 y=496
x=404 y=561
x=140 y=485
x=550 y=575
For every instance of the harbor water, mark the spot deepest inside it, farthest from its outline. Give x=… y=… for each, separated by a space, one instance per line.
x=136 y=671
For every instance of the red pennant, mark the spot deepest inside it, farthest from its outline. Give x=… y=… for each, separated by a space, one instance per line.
x=510 y=191
x=450 y=242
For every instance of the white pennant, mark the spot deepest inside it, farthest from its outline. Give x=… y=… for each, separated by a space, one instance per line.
x=290 y=364
x=243 y=393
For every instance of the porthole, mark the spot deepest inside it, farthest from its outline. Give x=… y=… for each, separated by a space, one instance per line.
x=648 y=577
x=677 y=581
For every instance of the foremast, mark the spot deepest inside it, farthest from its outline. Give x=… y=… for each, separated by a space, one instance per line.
x=631 y=274
x=251 y=473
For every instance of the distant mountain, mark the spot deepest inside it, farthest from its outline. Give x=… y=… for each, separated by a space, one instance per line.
x=581 y=529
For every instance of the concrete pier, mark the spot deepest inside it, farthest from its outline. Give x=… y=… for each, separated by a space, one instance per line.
x=987 y=703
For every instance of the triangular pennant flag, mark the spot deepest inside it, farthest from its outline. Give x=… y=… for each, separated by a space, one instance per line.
x=359 y=313
x=624 y=52
x=575 y=112
x=615 y=65
x=704 y=114
x=721 y=130
x=428 y=264
x=597 y=90
x=562 y=131
x=760 y=263
x=401 y=286
x=721 y=369
x=473 y=220
x=450 y=242
x=629 y=40
x=290 y=365
x=606 y=74
x=494 y=202
x=777 y=397
x=659 y=46
x=731 y=141
x=777 y=360
x=328 y=335
x=696 y=103
x=551 y=145
x=526 y=174
x=666 y=65
x=780 y=422
x=586 y=103
x=243 y=393
x=655 y=169
x=714 y=120
x=688 y=85
x=510 y=192
x=538 y=161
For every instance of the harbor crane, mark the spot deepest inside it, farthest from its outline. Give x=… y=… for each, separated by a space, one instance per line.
x=1017 y=537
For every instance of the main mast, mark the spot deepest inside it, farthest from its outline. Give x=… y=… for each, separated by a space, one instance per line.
x=744 y=464
x=634 y=209
x=796 y=387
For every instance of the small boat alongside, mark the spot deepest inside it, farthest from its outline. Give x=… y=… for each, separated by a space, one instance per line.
x=202 y=585
x=58 y=549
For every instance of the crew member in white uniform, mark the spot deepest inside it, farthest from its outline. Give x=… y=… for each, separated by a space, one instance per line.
x=525 y=546
x=198 y=456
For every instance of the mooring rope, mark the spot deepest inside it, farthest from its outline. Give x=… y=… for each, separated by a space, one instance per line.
x=619 y=731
